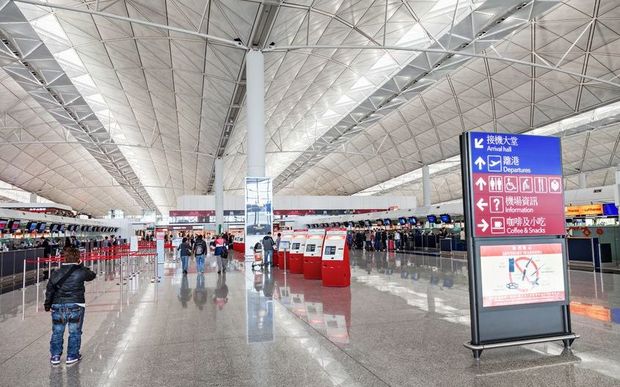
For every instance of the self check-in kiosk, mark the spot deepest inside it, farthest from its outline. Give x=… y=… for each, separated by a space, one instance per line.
x=313 y=253
x=335 y=270
x=285 y=240
x=298 y=247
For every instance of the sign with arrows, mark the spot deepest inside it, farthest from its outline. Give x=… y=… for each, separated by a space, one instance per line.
x=517 y=185
x=514 y=219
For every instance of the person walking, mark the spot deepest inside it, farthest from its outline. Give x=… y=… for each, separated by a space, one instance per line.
x=220 y=251
x=200 y=248
x=64 y=297
x=268 y=245
x=185 y=250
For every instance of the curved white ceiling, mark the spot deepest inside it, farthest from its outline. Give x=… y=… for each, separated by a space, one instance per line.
x=339 y=120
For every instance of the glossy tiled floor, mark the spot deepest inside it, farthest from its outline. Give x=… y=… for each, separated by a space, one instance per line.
x=402 y=322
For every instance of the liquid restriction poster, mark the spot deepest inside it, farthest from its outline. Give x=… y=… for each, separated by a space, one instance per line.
x=522 y=274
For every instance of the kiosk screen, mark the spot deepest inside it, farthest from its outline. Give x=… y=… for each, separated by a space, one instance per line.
x=310 y=248
x=295 y=246
x=330 y=250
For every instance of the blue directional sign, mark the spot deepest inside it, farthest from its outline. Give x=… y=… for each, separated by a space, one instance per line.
x=515 y=154
x=517 y=185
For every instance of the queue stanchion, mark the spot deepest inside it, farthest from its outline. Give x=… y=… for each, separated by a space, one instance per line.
x=38 y=281
x=24 y=292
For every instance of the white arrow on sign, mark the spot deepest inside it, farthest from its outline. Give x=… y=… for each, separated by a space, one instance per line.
x=483 y=225
x=481 y=204
x=480 y=162
x=481 y=183
x=478 y=143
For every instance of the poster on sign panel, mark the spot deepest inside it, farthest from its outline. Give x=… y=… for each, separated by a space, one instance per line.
x=258 y=211
x=522 y=274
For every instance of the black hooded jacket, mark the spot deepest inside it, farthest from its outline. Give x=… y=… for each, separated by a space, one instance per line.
x=72 y=290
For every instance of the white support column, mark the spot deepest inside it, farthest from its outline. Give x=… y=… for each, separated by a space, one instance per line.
x=255 y=106
x=583 y=182
x=426 y=186
x=219 y=194
x=617 y=187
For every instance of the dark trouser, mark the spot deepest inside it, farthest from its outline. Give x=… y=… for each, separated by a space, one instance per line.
x=62 y=315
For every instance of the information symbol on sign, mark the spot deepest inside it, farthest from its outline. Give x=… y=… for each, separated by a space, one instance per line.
x=555 y=185
x=526 y=184
x=496 y=184
x=494 y=163
x=540 y=184
x=497 y=225
x=496 y=204
x=511 y=184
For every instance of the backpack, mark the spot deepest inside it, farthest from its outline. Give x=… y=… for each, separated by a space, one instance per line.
x=224 y=253
x=200 y=248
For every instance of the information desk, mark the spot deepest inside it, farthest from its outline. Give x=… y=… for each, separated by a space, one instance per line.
x=584 y=250
x=298 y=247
x=313 y=253
x=336 y=269
x=12 y=267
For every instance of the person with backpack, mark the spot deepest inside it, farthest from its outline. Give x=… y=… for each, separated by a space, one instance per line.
x=185 y=250
x=268 y=244
x=64 y=298
x=221 y=252
x=200 y=248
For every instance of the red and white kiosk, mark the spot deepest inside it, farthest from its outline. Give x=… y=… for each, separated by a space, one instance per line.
x=313 y=253
x=239 y=244
x=336 y=269
x=298 y=247
x=285 y=240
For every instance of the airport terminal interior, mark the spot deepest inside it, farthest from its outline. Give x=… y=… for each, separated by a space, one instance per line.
x=309 y=192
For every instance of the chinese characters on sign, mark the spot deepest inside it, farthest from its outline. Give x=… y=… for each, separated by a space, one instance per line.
x=517 y=185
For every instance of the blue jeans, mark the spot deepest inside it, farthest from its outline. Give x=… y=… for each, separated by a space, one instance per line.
x=184 y=260
x=62 y=315
x=200 y=263
x=268 y=257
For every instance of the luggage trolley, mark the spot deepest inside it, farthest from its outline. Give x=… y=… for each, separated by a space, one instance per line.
x=258 y=259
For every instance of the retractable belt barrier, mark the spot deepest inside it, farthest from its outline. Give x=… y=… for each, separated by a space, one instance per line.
x=121 y=253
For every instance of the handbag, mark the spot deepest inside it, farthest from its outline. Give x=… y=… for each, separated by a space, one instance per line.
x=58 y=285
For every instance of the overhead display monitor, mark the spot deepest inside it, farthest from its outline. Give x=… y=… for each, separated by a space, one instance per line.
x=61 y=228
x=402 y=221
x=431 y=218
x=610 y=209
x=413 y=220
x=54 y=227
x=3 y=224
x=32 y=227
x=41 y=227
x=367 y=223
x=14 y=225
x=387 y=222
x=445 y=218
